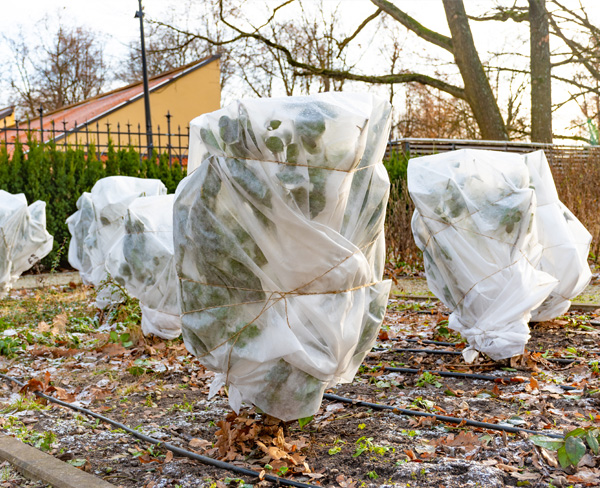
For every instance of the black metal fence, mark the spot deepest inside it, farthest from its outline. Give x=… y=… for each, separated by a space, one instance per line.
x=175 y=143
x=172 y=142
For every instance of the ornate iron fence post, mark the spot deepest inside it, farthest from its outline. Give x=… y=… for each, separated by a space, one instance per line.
x=41 y=112
x=168 y=116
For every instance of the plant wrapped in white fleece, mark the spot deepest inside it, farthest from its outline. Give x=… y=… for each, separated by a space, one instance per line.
x=25 y=239
x=142 y=262
x=565 y=240
x=279 y=245
x=475 y=223
x=79 y=224
x=110 y=198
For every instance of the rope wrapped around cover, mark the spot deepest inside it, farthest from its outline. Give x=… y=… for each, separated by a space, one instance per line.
x=497 y=244
x=279 y=245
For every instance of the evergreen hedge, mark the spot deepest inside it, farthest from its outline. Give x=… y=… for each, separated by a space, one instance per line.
x=60 y=176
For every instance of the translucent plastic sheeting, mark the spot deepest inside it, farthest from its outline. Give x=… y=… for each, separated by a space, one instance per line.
x=279 y=245
x=79 y=225
x=565 y=240
x=25 y=239
x=142 y=262
x=110 y=198
x=475 y=222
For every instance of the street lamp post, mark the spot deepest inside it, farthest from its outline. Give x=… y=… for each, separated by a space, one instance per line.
x=140 y=14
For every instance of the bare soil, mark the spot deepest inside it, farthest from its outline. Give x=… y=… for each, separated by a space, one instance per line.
x=158 y=388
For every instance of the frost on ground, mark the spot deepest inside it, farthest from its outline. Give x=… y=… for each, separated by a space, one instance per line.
x=102 y=362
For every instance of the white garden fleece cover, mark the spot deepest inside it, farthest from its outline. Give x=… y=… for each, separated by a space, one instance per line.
x=488 y=247
x=79 y=224
x=142 y=262
x=110 y=198
x=565 y=240
x=279 y=245
x=25 y=239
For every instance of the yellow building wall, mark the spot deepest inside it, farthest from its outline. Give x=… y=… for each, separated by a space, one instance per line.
x=7 y=121
x=186 y=97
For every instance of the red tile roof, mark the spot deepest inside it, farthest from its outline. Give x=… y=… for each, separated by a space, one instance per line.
x=92 y=109
x=5 y=112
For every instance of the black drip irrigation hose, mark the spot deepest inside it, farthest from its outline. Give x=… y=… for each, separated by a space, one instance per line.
x=458 y=353
x=176 y=450
x=455 y=353
x=427 y=341
x=425 y=351
x=441 y=418
x=472 y=376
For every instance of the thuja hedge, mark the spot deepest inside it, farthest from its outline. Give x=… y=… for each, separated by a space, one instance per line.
x=59 y=176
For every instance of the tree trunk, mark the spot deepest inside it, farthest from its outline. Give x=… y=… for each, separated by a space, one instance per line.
x=478 y=92
x=541 y=82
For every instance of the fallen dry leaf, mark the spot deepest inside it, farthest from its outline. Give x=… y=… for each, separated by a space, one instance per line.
x=199 y=443
x=57 y=352
x=463 y=438
x=525 y=476
x=59 y=324
x=61 y=394
x=585 y=476
x=112 y=349
x=43 y=326
x=548 y=457
x=532 y=386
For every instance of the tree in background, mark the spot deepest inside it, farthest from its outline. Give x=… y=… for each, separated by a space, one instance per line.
x=248 y=65
x=319 y=49
x=466 y=78
x=58 y=69
x=167 y=49
x=431 y=113
x=581 y=36
x=476 y=90
x=539 y=73
x=541 y=80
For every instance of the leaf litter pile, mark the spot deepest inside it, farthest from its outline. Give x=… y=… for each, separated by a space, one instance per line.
x=56 y=342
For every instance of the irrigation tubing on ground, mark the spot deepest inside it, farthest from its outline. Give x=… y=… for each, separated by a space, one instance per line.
x=176 y=450
x=441 y=418
x=472 y=376
x=424 y=351
x=427 y=341
x=455 y=353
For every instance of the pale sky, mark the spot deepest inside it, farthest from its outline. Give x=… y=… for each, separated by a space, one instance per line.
x=115 y=19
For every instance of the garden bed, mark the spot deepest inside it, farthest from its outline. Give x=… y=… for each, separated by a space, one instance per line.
x=101 y=362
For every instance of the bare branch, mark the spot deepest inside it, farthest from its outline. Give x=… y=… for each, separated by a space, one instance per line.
x=191 y=36
x=308 y=69
x=453 y=90
x=583 y=20
x=268 y=21
x=503 y=14
x=407 y=21
x=575 y=47
x=345 y=42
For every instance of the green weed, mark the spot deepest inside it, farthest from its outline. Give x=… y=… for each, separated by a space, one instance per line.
x=428 y=378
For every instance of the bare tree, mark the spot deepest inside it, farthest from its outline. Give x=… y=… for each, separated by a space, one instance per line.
x=476 y=90
x=581 y=38
x=251 y=65
x=467 y=78
x=167 y=49
x=539 y=62
x=66 y=68
x=431 y=113
x=541 y=80
x=21 y=71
